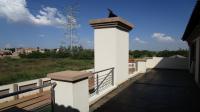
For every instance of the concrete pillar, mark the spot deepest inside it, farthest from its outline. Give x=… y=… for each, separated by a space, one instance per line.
x=141 y=66
x=111 y=46
x=71 y=90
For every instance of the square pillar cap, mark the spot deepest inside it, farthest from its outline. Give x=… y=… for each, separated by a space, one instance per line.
x=69 y=76
x=113 y=22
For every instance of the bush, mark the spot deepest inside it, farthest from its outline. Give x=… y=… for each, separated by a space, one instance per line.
x=141 y=54
x=34 y=54
x=164 y=53
x=167 y=53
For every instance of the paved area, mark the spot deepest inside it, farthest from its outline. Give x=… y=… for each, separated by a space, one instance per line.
x=156 y=91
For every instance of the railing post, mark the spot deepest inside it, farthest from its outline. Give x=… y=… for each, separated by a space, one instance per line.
x=136 y=66
x=52 y=98
x=15 y=89
x=40 y=84
x=97 y=84
x=113 y=76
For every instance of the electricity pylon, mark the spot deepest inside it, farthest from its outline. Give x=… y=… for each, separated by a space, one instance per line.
x=71 y=26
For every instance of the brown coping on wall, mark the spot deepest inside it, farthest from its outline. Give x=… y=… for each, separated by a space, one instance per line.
x=69 y=76
x=110 y=23
x=139 y=60
x=136 y=60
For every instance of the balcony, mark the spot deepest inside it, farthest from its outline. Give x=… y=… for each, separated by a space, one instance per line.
x=153 y=84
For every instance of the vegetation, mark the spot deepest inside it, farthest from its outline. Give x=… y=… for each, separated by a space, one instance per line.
x=165 y=53
x=76 y=52
x=37 y=64
x=16 y=70
x=141 y=54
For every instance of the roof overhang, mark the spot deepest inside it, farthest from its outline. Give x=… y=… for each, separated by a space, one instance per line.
x=193 y=22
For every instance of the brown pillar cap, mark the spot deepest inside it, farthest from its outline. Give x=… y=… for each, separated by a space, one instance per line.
x=113 y=22
x=69 y=76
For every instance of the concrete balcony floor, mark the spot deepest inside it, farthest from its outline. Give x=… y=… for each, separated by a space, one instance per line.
x=158 y=90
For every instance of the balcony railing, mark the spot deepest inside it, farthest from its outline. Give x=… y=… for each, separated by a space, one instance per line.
x=41 y=102
x=100 y=81
x=132 y=67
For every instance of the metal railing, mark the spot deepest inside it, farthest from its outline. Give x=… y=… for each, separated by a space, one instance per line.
x=132 y=67
x=39 y=109
x=101 y=80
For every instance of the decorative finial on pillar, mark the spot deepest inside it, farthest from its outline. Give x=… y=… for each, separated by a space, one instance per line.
x=111 y=14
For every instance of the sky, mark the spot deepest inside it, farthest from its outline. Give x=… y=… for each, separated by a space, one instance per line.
x=159 y=24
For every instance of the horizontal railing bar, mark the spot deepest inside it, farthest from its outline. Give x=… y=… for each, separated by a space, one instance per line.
x=104 y=79
x=28 y=90
x=103 y=75
x=101 y=78
x=103 y=70
x=104 y=82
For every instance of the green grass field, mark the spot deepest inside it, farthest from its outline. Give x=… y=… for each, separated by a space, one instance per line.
x=16 y=70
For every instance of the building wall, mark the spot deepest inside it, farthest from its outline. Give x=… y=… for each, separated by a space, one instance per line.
x=199 y=60
x=197 y=71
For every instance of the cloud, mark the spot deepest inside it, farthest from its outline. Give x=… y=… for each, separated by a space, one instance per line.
x=138 y=40
x=21 y=45
x=85 y=43
x=17 y=11
x=161 y=37
x=8 y=45
x=41 y=35
x=168 y=42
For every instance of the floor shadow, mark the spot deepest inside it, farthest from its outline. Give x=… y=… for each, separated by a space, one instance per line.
x=61 y=108
x=15 y=109
x=158 y=90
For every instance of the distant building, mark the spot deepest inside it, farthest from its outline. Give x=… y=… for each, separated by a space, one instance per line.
x=5 y=52
x=192 y=36
x=25 y=50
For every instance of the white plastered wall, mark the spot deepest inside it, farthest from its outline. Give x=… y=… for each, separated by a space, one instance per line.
x=81 y=95
x=72 y=94
x=64 y=93
x=141 y=65
x=104 y=48
x=122 y=56
x=111 y=50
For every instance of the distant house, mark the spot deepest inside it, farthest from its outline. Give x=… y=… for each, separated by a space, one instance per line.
x=5 y=52
x=192 y=36
x=25 y=50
